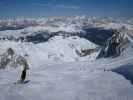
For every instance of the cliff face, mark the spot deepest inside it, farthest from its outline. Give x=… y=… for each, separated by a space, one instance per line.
x=115 y=45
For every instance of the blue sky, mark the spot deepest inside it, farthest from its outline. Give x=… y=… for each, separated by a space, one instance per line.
x=35 y=8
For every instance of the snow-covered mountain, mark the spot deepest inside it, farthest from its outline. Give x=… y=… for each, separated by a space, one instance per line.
x=70 y=58
x=79 y=28
x=20 y=28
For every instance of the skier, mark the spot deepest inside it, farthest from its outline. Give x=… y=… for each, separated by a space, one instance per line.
x=9 y=58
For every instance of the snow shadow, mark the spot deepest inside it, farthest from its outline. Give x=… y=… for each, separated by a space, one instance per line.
x=97 y=35
x=126 y=71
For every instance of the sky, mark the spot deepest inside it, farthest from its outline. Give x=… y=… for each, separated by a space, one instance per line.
x=38 y=8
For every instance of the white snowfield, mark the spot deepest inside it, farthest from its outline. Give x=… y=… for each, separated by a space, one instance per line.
x=56 y=50
x=57 y=72
x=70 y=81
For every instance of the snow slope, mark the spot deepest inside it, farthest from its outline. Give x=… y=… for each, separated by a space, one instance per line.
x=56 y=50
x=70 y=81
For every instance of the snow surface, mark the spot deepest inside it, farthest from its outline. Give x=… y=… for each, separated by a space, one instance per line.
x=56 y=71
x=56 y=50
x=69 y=81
